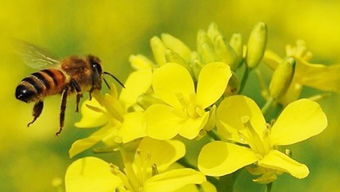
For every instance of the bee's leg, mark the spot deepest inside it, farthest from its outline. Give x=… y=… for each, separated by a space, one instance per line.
x=37 y=109
x=76 y=87
x=62 y=109
x=90 y=93
x=95 y=75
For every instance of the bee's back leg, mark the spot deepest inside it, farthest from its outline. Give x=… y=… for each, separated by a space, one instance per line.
x=76 y=87
x=37 y=109
x=62 y=109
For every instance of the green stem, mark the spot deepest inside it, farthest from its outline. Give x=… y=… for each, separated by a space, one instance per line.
x=226 y=183
x=269 y=187
x=244 y=79
x=185 y=163
x=267 y=105
x=214 y=135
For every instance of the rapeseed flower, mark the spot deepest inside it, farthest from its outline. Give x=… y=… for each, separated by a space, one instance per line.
x=252 y=142
x=147 y=171
x=317 y=76
x=185 y=109
x=119 y=123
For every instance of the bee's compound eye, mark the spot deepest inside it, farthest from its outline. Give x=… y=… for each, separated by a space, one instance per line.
x=23 y=94
x=97 y=66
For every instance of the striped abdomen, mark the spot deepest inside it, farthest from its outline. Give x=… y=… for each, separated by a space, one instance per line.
x=40 y=84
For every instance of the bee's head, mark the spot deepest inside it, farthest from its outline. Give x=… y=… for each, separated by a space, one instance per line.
x=95 y=63
x=96 y=67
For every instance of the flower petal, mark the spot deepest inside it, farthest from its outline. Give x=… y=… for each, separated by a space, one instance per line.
x=161 y=153
x=172 y=180
x=162 y=122
x=231 y=112
x=212 y=82
x=271 y=59
x=230 y=158
x=133 y=127
x=82 y=144
x=177 y=46
x=281 y=162
x=191 y=127
x=90 y=117
x=299 y=121
x=140 y=62
x=171 y=81
x=319 y=76
x=136 y=84
x=90 y=174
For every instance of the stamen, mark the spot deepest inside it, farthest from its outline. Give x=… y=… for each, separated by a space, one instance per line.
x=154 y=169
x=253 y=139
x=116 y=171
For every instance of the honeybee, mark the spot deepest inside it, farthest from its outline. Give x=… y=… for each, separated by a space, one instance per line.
x=71 y=75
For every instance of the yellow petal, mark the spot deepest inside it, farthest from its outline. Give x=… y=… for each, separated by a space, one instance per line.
x=230 y=158
x=90 y=174
x=318 y=76
x=90 y=117
x=212 y=82
x=172 y=180
x=140 y=62
x=177 y=46
x=171 y=81
x=299 y=121
x=137 y=84
x=162 y=153
x=271 y=59
x=162 y=122
x=133 y=126
x=158 y=50
x=190 y=128
x=81 y=145
x=231 y=112
x=281 y=162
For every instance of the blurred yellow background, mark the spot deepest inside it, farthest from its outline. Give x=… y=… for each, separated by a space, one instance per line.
x=30 y=158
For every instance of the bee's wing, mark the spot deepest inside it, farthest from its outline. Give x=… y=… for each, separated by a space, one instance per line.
x=34 y=56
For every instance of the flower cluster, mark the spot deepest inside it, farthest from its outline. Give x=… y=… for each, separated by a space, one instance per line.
x=187 y=94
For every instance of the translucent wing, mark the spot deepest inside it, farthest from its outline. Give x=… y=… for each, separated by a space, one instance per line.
x=34 y=56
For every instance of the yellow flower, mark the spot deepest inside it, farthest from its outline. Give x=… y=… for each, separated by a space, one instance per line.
x=185 y=111
x=148 y=172
x=240 y=120
x=119 y=122
x=318 y=76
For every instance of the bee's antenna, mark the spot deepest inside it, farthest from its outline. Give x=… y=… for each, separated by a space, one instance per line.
x=115 y=78
x=107 y=84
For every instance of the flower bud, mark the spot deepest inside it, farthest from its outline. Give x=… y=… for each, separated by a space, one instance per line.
x=282 y=77
x=140 y=62
x=223 y=51
x=158 y=50
x=213 y=32
x=256 y=45
x=195 y=64
x=236 y=43
x=205 y=47
x=177 y=46
x=173 y=57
